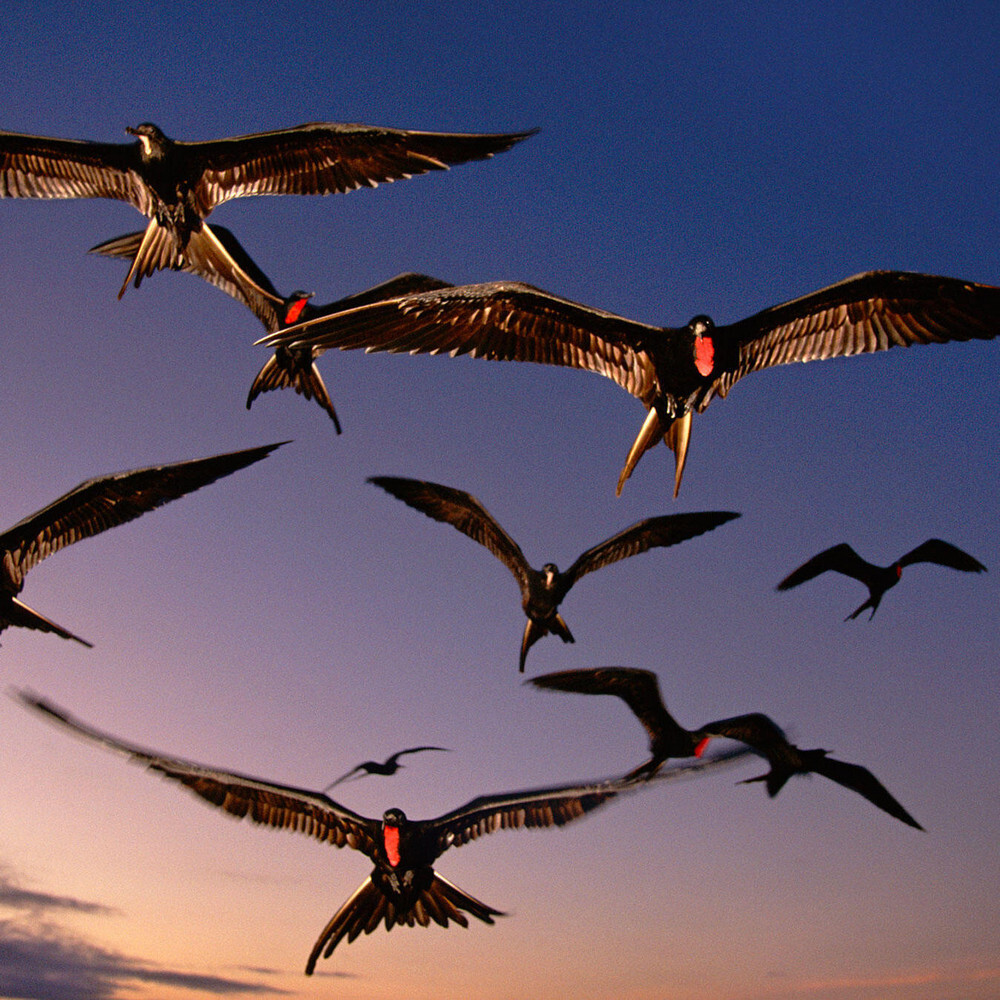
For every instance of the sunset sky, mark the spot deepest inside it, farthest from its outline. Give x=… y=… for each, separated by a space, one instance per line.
x=293 y=620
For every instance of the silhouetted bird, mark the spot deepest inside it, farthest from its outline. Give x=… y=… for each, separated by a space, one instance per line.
x=675 y=371
x=177 y=184
x=288 y=367
x=878 y=579
x=389 y=766
x=403 y=887
x=543 y=590
x=640 y=690
x=92 y=507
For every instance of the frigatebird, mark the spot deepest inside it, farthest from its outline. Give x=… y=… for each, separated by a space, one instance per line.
x=403 y=887
x=386 y=767
x=177 y=184
x=640 y=690
x=878 y=579
x=543 y=590
x=92 y=507
x=288 y=367
x=674 y=371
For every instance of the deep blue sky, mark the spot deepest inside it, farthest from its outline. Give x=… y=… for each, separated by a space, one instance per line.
x=294 y=620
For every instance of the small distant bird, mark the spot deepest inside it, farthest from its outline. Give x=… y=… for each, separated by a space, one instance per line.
x=403 y=887
x=878 y=579
x=288 y=367
x=640 y=690
x=92 y=507
x=674 y=371
x=389 y=766
x=543 y=590
x=177 y=184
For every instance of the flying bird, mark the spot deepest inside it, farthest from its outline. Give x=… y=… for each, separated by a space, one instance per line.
x=543 y=590
x=674 y=371
x=389 y=766
x=640 y=690
x=878 y=579
x=403 y=887
x=92 y=507
x=288 y=367
x=177 y=184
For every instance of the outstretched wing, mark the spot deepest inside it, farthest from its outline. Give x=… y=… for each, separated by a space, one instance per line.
x=35 y=166
x=653 y=532
x=107 y=501
x=859 y=779
x=498 y=321
x=546 y=807
x=867 y=312
x=464 y=513
x=326 y=158
x=944 y=554
x=639 y=689
x=839 y=558
x=266 y=803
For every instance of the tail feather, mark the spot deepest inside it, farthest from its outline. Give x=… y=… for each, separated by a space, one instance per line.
x=441 y=901
x=283 y=371
x=157 y=250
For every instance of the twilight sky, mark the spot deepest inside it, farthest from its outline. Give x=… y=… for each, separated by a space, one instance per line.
x=293 y=620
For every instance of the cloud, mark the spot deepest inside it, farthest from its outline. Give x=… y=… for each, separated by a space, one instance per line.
x=41 y=961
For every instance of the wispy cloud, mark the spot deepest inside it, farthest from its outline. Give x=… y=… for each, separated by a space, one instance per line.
x=41 y=961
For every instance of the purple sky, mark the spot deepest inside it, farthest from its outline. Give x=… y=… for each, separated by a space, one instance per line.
x=292 y=620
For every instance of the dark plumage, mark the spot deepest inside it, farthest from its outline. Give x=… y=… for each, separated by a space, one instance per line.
x=92 y=507
x=543 y=590
x=403 y=887
x=640 y=690
x=878 y=579
x=675 y=371
x=177 y=184
x=389 y=766
x=288 y=367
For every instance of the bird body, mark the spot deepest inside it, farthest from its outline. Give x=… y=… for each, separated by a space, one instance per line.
x=640 y=690
x=92 y=507
x=542 y=591
x=878 y=579
x=387 y=767
x=674 y=371
x=403 y=887
x=288 y=367
x=177 y=184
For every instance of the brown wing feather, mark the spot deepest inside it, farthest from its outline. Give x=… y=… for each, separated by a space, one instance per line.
x=464 y=513
x=107 y=501
x=264 y=802
x=867 y=312
x=34 y=166
x=498 y=321
x=325 y=158
x=653 y=532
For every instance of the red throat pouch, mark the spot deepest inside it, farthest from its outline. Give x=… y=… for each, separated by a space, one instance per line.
x=390 y=837
x=704 y=356
x=295 y=311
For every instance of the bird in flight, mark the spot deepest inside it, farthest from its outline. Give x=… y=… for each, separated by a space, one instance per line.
x=542 y=591
x=288 y=367
x=640 y=690
x=177 y=184
x=878 y=579
x=92 y=507
x=674 y=371
x=403 y=887
x=389 y=766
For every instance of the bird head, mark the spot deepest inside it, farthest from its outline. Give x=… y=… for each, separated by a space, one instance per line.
x=550 y=571
x=701 y=328
x=294 y=305
x=150 y=137
x=393 y=817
